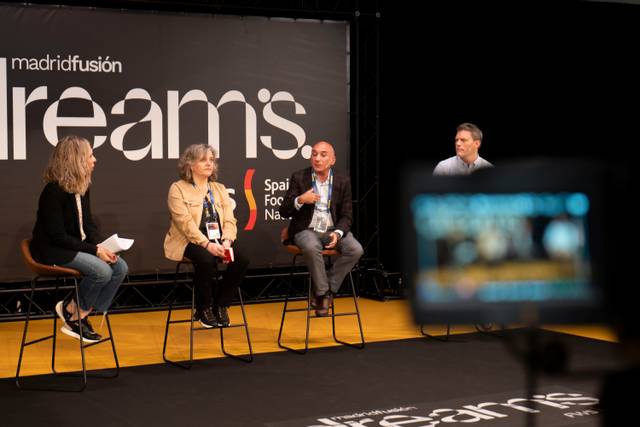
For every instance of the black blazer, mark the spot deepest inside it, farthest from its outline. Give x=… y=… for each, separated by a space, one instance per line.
x=341 y=204
x=56 y=235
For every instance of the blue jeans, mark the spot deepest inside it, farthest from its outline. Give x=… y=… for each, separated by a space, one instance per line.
x=100 y=280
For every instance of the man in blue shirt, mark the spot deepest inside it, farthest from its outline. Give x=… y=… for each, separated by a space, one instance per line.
x=467 y=160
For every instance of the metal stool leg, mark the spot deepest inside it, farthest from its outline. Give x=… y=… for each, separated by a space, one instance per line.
x=309 y=316
x=116 y=370
x=84 y=366
x=286 y=310
x=24 y=343
x=244 y=325
x=446 y=337
x=361 y=344
x=306 y=335
x=55 y=328
x=58 y=273
x=113 y=347
x=83 y=374
x=53 y=338
x=192 y=327
x=172 y=302
x=166 y=325
x=83 y=346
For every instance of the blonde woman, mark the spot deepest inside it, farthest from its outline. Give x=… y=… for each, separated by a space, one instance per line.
x=66 y=235
x=202 y=227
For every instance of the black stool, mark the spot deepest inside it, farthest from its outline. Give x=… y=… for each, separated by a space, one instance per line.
x=60 y=274
x=480 y=327
x=192 y=328
x=446 y=337
x=327 y=253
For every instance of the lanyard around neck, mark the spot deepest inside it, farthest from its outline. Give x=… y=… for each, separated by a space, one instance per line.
x=210 y=195
x=315 y=186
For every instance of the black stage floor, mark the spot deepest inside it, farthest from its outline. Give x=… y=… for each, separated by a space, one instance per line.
x=473 y=379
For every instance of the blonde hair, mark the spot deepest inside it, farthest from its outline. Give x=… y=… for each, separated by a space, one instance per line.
x=69 y=165
x=192 y=154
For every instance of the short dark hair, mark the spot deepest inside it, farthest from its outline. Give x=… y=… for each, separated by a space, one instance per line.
x=476 y=133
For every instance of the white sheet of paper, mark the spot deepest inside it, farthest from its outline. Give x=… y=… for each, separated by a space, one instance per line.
x=117 y=244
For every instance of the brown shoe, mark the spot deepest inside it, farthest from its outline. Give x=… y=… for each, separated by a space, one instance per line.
x=316 y=301
x=324 y=302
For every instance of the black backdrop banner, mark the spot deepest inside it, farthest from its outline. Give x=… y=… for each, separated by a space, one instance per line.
x=141 y=87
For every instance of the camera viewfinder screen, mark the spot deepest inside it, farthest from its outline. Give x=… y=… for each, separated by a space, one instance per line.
x=497 y=248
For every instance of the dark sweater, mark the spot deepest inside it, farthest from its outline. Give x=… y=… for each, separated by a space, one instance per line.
x=56 y=235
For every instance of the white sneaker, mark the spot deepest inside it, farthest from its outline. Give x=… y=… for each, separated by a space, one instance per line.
x=73 y=330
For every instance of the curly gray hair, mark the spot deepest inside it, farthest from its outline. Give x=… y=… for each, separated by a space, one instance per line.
x=193 y=154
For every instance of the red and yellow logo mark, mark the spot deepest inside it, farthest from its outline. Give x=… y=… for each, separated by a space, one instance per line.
x=248 y=193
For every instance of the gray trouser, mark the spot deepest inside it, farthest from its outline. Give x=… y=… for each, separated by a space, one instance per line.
x=323 y=281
